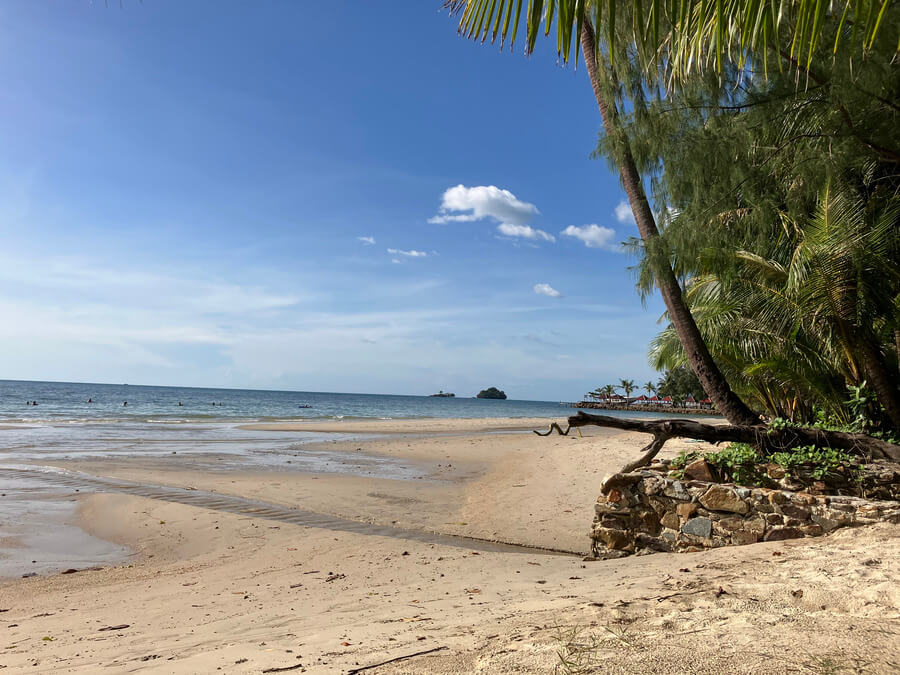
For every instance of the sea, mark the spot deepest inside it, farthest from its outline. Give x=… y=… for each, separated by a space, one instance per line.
x=45 y=425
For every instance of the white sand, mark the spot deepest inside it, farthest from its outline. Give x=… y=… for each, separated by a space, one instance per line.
x=212 y=590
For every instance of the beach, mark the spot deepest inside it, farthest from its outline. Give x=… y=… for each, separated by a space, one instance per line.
x=207 y=586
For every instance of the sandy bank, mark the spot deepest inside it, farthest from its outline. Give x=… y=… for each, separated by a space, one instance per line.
x=412 y=426
x=212 y=590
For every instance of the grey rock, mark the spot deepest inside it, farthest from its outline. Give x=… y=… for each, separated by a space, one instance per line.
x=698 y=527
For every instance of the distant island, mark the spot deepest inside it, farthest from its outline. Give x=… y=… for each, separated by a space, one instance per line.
x=491 y=392
x=442 y=394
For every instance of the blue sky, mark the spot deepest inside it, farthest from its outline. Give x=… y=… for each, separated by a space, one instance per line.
x=312 y=196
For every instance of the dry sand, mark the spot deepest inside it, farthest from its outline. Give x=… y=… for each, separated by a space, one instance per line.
x=209 y=591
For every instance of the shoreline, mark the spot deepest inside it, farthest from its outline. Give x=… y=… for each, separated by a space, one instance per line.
x=209 y=589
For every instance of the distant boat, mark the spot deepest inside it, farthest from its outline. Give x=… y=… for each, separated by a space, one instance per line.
x=442 y=394
x=304 y=405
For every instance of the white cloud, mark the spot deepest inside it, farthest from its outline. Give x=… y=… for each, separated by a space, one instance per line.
x=546 y=289
x=525 y=231
x=593 y=236
x=368 y=241
x=623 y=213
x=463 y=204
x=409 y=254
x=483 y=201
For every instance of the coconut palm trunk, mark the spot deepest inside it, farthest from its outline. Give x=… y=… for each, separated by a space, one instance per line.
x=880 y=380
x=701 y=361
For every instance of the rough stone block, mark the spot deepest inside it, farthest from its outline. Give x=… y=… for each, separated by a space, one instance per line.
x=776 y=497
x=755 y=524
x=781 y=533
x=685 y=511
x=720 y=498
x=654 y=543
x=795 y=511
x=698 y=527
x=741 y=538
x=699 y=470
x=670 y=520
x=774 y=519
x=614 y=539
x=726 y=526
x=677 y=491
x=647 y=520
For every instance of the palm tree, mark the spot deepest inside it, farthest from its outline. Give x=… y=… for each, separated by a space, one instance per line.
x=683 y=38
x=627 y=386
x=477 y=21
x=609 y=390
x=650 y=388
x=807 y=316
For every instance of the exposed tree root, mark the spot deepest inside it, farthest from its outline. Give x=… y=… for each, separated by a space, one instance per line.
x=766 y=439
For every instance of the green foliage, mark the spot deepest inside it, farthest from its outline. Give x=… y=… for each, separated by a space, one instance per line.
x=821 y=463
x=679 y=383
x=738 y=462
x=684 y=458
x=491 y=392
x=683 y=38
x=783 y=222
x=743 y=464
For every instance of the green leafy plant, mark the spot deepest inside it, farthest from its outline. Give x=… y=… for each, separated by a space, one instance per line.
x=739 y=462
x=820 y=463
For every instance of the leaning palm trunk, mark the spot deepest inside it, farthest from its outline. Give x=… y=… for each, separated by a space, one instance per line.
x=701 y=361
x=881 y=381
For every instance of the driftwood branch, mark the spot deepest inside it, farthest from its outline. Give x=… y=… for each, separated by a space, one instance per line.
x=353 y=671
x=766 y=439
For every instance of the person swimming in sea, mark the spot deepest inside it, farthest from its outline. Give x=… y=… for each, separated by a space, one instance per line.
x=124 y=403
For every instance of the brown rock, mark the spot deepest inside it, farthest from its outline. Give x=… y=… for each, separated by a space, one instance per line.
x=726 y=526
x=781 y=533
x=685 y=510
x=812 y=530
x=742 y=538
x=647 y=520
x=774 y=519
x=795 y=511
x=614 y=539
x=755 y=525
x=616 y=521
x=699 y=470
x=776 y=497
x=659 y=505
x=774 y=471
x=614 y=496
x=670 y=520
x=720 y=498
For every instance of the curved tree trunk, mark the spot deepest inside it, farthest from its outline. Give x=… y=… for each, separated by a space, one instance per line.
x=702 y=363
x=766 y=439
x=881 y=381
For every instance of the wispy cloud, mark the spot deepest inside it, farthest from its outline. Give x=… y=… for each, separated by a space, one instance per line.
x=368 y=241
x=524 y=231
x=408 y=254
x=623 y=213
x=593 y=236
x=461 y=204
x=546 y=289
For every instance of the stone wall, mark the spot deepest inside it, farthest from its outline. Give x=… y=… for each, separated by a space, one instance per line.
x=646 y=511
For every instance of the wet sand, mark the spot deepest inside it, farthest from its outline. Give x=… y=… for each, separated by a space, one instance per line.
x=209 y=589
